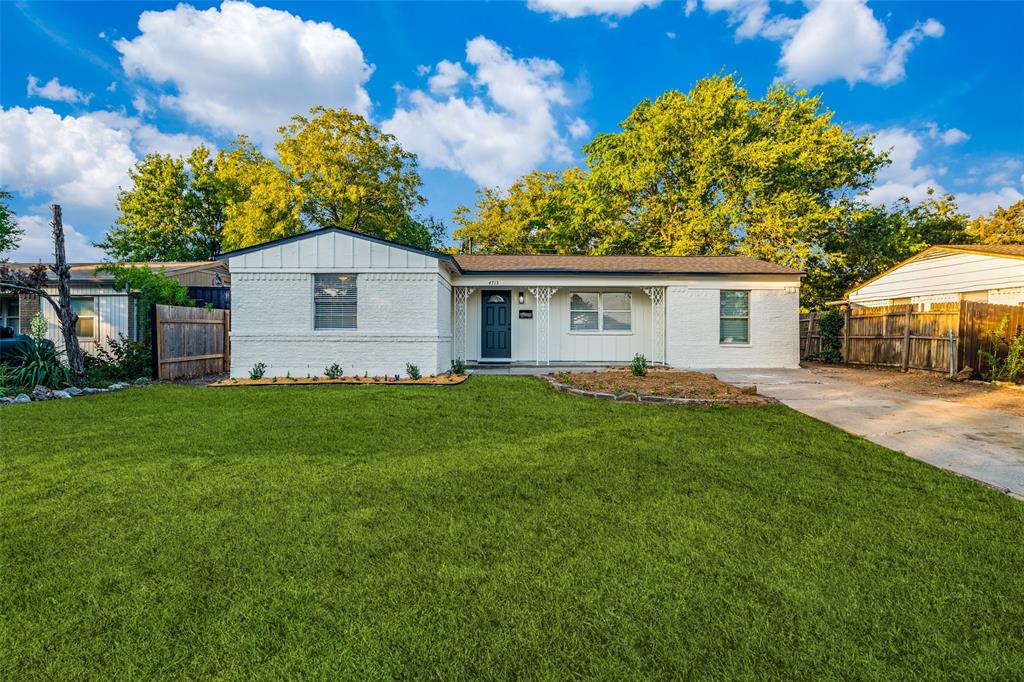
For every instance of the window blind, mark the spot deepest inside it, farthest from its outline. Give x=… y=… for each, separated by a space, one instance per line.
x=734 y=317
x=334 y=301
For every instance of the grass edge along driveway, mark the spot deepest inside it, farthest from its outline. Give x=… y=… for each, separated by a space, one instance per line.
x=493 y=529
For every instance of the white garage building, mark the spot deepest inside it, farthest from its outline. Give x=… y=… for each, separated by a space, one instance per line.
x=335 y=296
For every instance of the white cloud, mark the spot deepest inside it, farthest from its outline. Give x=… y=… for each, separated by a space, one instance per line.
x=112 y=87
x=578 y=128
x=948 y=137
x=246 y=69
x=670 y=35
x=906 y=177
x=573 y=9
x=37 y=243
x=77 y=161
x=506 y=126
x=845 y=40
x=55 y=91
x=448 y=77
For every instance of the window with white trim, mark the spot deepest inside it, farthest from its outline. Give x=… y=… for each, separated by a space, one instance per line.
x=85 y=308
x=334 y=301
x=600 y=312
x=9 y=314
x=734 y=317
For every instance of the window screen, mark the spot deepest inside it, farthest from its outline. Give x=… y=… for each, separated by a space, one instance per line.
x=734 y=320
x=334 y=301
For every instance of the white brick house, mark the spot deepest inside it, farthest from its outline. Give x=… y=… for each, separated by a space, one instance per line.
x=305 y=302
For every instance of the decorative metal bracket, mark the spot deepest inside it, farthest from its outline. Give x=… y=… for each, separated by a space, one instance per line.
x=543 y=322
x=657 y=296
x=461 y=323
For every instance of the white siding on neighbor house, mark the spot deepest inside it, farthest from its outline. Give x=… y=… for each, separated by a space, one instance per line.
x=403 y=309
x=944 y=273
x=693 y=327
x=112 y=317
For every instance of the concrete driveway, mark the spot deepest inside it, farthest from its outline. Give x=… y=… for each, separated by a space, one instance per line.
x=981 y=444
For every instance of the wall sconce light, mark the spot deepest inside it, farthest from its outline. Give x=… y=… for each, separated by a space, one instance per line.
x=522 y=299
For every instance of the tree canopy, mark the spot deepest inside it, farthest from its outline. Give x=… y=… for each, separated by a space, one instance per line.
x=10 y=233
x=333 y=169
x=1001 y=226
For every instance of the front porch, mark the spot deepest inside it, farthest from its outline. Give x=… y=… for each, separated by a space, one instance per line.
x=523 y=323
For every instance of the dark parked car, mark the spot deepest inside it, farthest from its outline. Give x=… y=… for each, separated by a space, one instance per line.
x=10 y=346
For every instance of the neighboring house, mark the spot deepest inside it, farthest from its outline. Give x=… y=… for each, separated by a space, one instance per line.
x=103 y=311
x=946 y=274
x=304 y=302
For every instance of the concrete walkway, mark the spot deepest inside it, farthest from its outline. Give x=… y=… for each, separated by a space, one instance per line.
x=981 y=444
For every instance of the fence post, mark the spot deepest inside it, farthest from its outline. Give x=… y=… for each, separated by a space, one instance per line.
x=952 y=353
x=227 y=340
x=810 y=330
x=153 y=343
x=908 y=319
x=846 y=335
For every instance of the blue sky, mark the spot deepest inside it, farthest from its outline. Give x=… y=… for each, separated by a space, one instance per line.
x=483 y=92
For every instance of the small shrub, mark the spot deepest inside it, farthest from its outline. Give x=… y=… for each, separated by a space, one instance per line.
x=413 y=371
x=122 y=358
x=1004 y=359
x=39 y=363
x=333 y=371
x=830 y=325
x=639 y=365
x=458 y=367
x=258 y=370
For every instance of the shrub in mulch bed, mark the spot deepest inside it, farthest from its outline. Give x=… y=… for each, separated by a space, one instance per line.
x=657 y=386
x=442 y=380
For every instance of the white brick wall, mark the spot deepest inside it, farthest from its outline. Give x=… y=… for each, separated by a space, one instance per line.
x=400 y=320
x=692 y=339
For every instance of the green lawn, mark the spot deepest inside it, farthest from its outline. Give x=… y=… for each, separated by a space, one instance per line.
x=494 y=529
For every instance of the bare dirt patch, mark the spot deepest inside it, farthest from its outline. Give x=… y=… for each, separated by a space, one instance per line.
x=666 y=383
x=931 y=384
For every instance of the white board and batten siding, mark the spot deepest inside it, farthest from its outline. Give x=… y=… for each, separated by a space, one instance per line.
x=948 y=275
x=402 y=303
x=113 y=317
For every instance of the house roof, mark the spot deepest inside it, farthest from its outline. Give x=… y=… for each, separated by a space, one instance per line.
x=531 y=264
x=633 y=265
x=86 y=272
x=1013 y=250
x=938 y=250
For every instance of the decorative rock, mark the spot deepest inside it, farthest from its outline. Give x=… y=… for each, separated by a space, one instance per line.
x=41 y=392
x=141 y=381
x=21 y=398
x=117 y=387
x=60 y=395
x=73 y=391
x=4 y=400
x=603 y=396
x=654 y=399
x=627 y=398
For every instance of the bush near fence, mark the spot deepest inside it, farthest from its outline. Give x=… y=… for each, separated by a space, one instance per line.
x=910 y=337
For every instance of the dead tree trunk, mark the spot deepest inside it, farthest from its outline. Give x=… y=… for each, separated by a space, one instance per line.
x=65 y=311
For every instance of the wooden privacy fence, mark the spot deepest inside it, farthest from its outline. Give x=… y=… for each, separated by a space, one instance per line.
x=190 y=342
x=944 y=338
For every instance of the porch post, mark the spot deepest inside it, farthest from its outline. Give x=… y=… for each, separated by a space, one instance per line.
x=657 y=295
x=543 y=322
x=461 y=323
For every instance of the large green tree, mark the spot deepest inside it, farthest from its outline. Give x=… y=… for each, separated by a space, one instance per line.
x=707 y=172
x=174 y=210
x=1001 y=226
x=10 y=233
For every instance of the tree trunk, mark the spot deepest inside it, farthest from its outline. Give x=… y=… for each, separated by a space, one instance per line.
x=65 y=312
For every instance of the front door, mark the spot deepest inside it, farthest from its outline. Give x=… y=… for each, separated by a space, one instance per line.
x=496 y=343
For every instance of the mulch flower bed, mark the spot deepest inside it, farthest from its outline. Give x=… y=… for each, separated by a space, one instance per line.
x=658 y=386
x=442 y=380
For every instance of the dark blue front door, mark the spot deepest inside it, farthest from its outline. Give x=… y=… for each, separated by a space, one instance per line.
x=497 y=331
